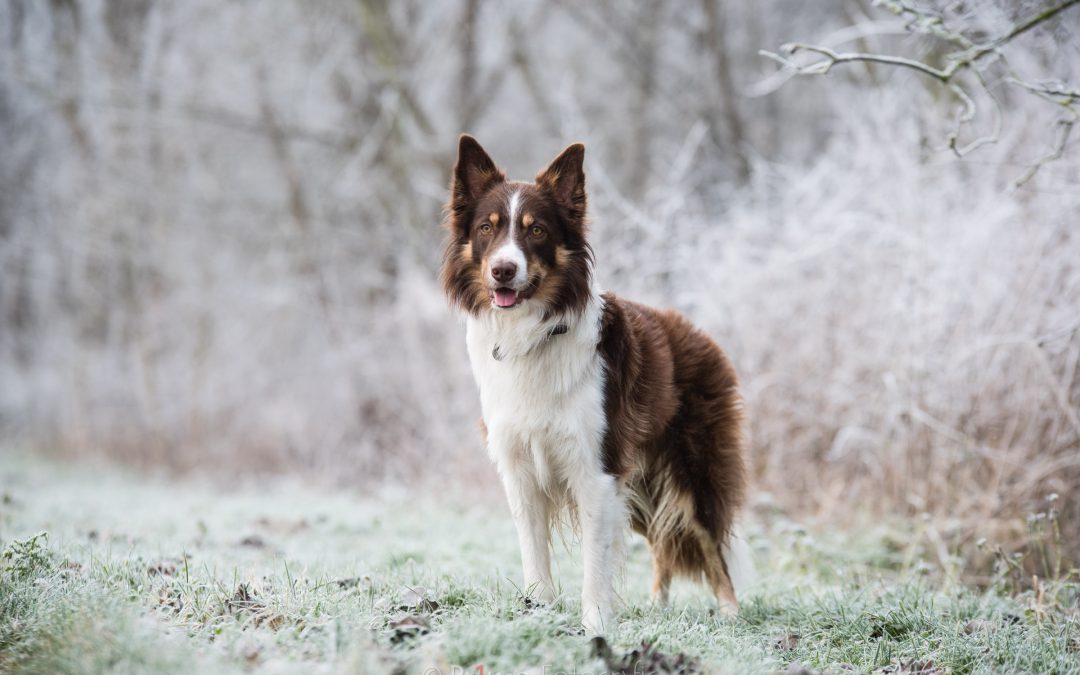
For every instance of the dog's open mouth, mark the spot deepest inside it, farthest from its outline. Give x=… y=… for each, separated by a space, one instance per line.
x=506 y=297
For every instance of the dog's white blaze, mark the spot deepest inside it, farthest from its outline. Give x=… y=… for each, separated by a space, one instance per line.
x=511 y=251
x=515 y=204
x=543 y=404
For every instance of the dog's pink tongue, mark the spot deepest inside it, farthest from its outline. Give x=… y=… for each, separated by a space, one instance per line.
x=505 y=297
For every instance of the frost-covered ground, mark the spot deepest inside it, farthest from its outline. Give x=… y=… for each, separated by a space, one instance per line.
x=149 y=574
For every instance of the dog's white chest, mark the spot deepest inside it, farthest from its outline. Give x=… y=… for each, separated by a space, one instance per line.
x=542 y=400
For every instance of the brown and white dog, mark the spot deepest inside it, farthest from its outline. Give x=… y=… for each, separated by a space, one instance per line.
x=621 y=413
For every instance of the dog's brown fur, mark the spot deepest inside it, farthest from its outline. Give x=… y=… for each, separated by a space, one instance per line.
x=674 y=439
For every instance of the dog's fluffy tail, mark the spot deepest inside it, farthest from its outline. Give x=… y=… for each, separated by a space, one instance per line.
x=740 y=562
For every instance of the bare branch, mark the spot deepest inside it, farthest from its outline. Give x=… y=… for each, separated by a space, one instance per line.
x=854 y=33
x=1032 y=21
x=1055 y=92
x=922 y=21
x=968 y=114
x=832 y=58
x=961 y=61
x=1065 y=128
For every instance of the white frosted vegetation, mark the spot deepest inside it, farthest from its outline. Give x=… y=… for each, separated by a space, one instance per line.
x=219 y=237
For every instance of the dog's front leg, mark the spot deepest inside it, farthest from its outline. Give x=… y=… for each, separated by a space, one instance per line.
x=530 y=510
x=602 y=513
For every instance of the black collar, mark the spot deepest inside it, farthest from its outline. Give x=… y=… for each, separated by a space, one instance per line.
x=557 y=329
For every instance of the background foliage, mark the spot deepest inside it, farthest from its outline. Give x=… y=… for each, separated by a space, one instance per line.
x=219 y=235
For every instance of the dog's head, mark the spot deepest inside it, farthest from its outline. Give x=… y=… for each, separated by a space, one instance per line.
x=516 y=245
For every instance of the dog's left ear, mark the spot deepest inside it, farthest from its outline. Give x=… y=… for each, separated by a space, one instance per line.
x=565 y=178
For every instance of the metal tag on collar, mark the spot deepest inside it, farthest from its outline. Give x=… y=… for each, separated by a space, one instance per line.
x=559 y=329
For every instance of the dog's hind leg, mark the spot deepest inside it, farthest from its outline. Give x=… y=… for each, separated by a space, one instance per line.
x=661 y=584
x=716 y=573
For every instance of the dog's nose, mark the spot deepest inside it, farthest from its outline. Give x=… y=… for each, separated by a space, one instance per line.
x=503 y=271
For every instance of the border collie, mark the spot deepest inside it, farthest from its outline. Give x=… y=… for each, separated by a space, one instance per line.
x=611 y=411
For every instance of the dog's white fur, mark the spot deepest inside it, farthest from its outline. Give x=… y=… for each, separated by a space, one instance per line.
x=543 y=405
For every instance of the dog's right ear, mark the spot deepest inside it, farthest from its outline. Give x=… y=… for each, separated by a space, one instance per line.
x=474 y=174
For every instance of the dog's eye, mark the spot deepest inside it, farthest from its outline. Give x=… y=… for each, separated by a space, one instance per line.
x=485 y=228
x=536 y=231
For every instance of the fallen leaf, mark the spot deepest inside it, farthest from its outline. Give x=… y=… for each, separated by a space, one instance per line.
x=408 y=627
x=70 y=568
x=254 y=541
x=243 y=600
x=170 y=597
x=272 y=620
x=980 y=626
x=788 y=642
x=416 y=600
x=284 y=525
x=644 y=659
x=912 y=667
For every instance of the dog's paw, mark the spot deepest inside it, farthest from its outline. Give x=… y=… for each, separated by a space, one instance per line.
x=540 y=593
x=727 y=609
x=595 y=622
